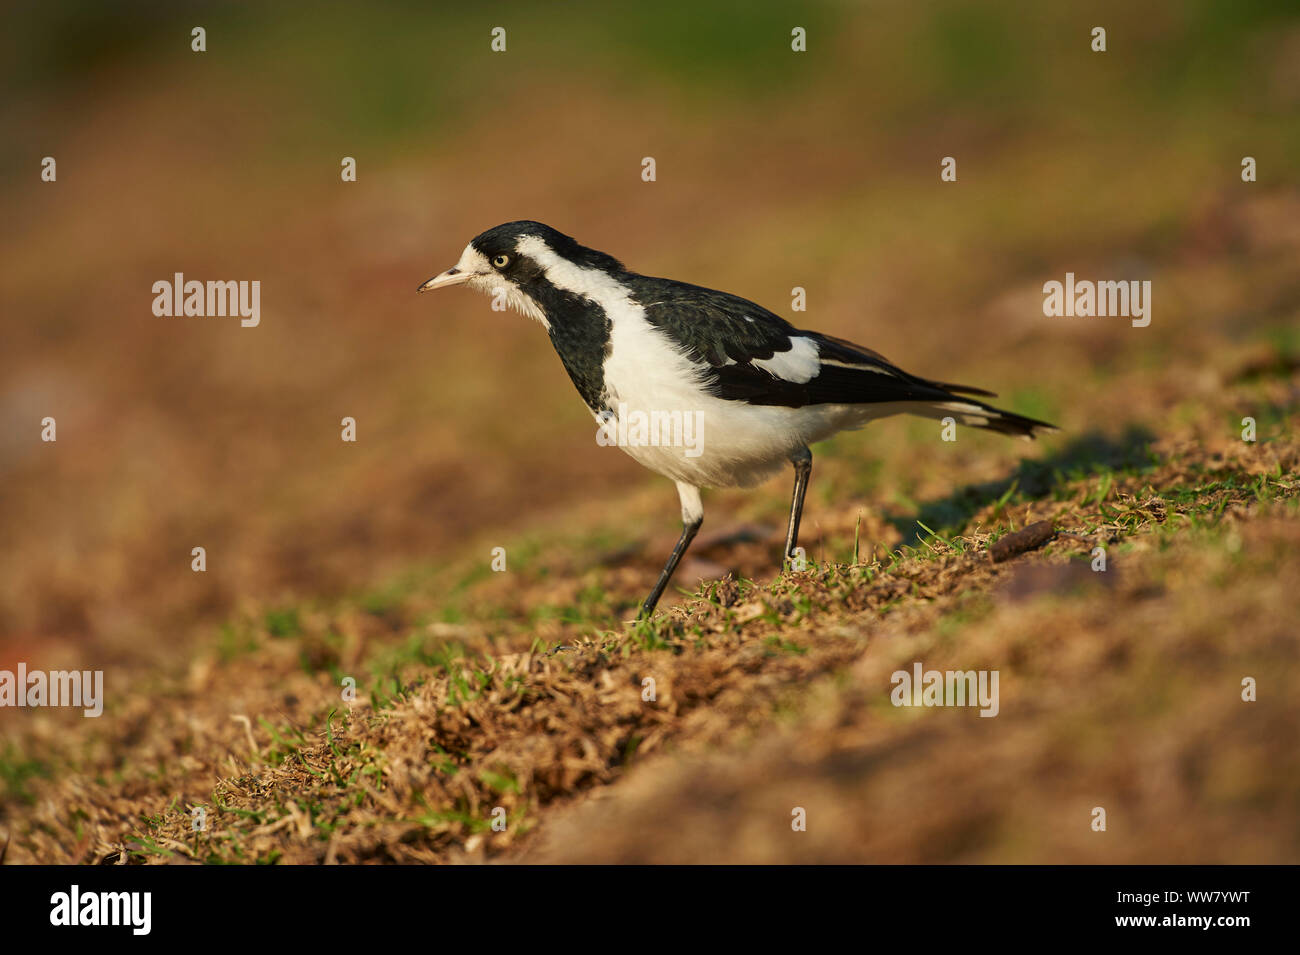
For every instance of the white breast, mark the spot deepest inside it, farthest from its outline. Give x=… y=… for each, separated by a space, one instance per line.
x=735 y=444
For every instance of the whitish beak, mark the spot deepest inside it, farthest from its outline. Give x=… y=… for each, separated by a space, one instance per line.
x=450 y=277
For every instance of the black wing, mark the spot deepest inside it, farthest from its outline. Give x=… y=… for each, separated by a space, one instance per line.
x=713 y=328
x=728 y=335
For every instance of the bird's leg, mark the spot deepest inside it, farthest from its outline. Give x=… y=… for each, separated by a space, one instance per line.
x=802 y=461
x=692 y=518
x=683 y=542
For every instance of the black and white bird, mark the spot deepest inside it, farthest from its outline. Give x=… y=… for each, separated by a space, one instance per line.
x=759 y=390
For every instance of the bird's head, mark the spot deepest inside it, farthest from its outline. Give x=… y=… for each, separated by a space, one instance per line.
x=531 y=265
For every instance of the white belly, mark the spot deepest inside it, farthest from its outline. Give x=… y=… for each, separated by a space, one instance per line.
x=667 y=421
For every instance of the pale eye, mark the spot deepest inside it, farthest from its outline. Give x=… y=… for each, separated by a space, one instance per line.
x=500 y=261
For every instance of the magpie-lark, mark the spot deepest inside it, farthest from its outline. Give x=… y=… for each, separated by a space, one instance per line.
x=761 y=389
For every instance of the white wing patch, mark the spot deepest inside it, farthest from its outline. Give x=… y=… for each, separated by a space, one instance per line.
x=859 y=367
x=798 y=365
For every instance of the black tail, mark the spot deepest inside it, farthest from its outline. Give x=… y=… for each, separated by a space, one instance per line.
x=978 y=414
x=852 y=374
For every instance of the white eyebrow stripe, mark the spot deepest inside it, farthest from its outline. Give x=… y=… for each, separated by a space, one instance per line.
x=581 y=280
